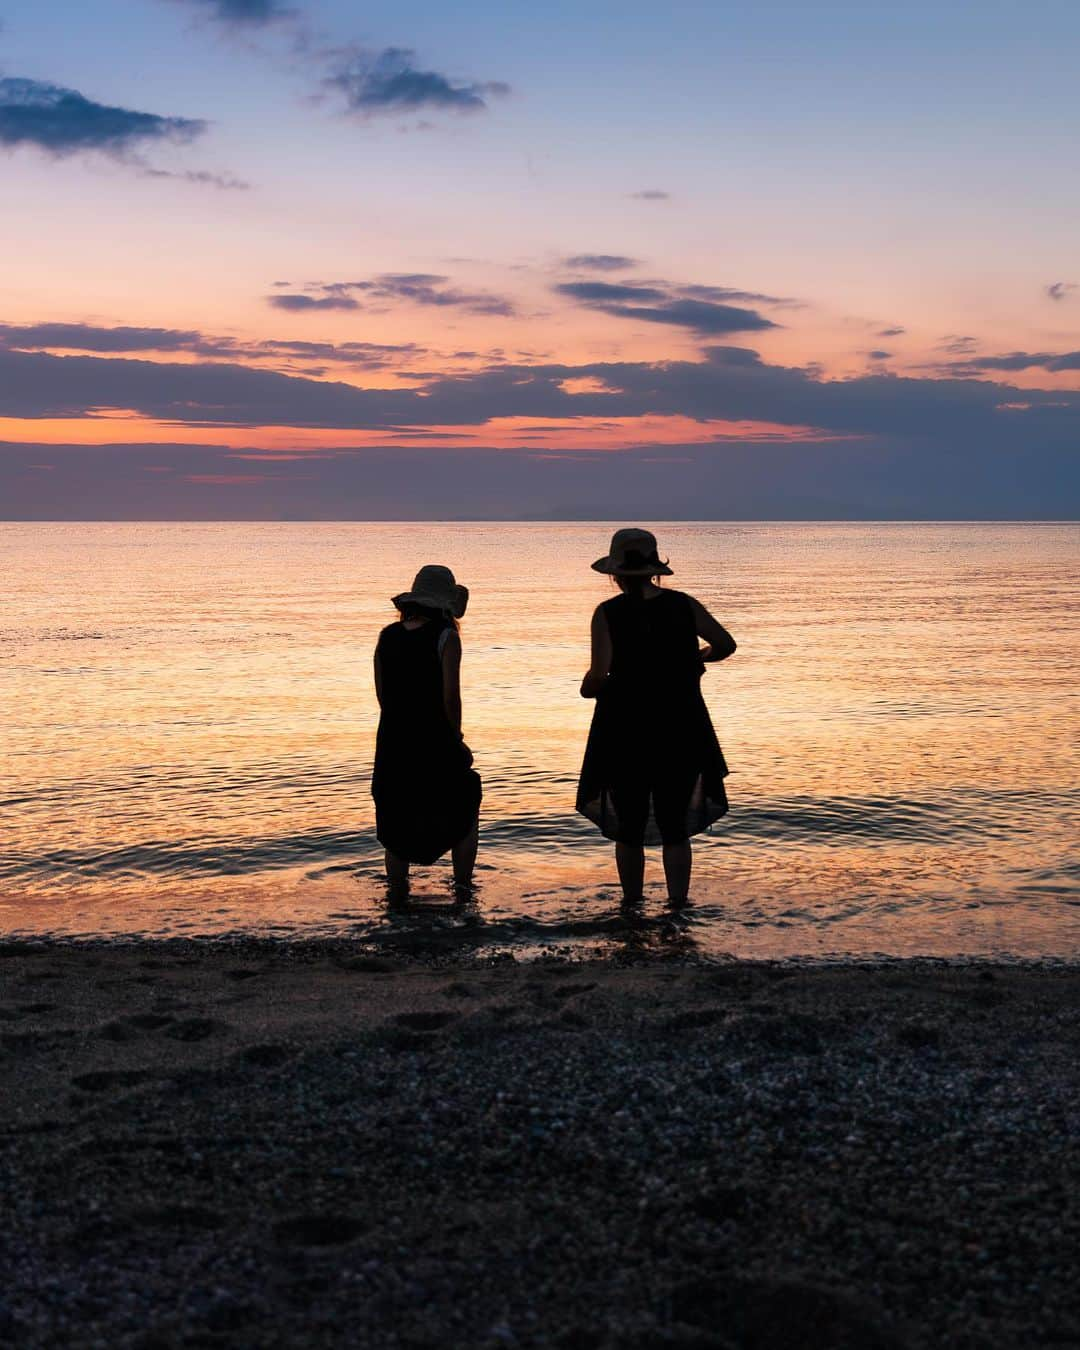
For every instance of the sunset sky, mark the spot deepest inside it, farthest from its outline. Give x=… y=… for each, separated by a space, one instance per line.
x=322 y=259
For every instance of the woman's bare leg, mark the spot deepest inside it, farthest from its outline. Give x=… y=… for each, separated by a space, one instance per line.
x=677 y=863
x=464 y=857
x=630 y=860
x=397 y=873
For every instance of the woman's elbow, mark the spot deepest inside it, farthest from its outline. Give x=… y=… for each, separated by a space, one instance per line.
x=722 y=648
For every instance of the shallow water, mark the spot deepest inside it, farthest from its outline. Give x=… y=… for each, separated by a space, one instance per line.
x=188 y=723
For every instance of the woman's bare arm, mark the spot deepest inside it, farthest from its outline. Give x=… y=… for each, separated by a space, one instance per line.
x=451 y=679
x=600 y=662
x=721 y=643
x=378 y=678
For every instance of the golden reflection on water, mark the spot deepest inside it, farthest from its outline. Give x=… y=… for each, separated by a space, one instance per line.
x=189 y=721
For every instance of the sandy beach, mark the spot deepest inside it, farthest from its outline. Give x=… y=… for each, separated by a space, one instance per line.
x=259 y=1144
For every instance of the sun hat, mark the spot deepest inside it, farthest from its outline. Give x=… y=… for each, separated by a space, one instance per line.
x=632 y=554
x=435 y=587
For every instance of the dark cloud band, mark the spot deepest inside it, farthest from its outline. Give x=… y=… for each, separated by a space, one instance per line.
x=731 y=384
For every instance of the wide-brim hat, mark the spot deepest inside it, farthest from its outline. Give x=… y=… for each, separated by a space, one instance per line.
x=632 y=554
x=434 y=587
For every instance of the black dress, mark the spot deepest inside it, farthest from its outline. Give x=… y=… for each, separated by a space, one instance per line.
x=427 y=794
x=653 y=770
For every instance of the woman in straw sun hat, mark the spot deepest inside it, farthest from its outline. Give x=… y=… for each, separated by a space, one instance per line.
x=427 y=794
x=653 y=769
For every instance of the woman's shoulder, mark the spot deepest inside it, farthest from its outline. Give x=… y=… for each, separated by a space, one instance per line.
x=392 y=635
x=680 y=598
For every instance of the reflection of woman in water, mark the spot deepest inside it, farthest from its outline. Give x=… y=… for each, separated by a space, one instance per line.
x=653 y=771
x=427 y=795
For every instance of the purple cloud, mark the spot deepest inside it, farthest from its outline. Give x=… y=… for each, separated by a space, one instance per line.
x=389 y=81
x=679 y=307
x=63 y=122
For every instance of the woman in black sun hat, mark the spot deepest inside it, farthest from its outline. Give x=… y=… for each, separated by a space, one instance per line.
x=427 y=794
x=653 y=769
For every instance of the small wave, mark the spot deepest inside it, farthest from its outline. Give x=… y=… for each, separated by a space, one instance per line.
x=188 y=858
x=838 y=821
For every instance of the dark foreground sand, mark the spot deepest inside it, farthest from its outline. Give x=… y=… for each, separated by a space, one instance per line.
x=260 y=1145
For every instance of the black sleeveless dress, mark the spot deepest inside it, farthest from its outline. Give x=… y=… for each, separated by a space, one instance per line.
x=653 y=771
x=427 y=794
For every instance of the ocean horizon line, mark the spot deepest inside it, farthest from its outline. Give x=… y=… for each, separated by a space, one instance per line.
x=539 y=520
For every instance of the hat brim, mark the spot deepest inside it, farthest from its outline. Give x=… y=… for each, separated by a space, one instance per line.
x=614 y=569
x=453 y=606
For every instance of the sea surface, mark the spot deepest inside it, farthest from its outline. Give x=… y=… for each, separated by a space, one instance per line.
x=187 y=722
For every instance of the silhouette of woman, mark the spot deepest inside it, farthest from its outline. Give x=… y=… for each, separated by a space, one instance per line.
x=427 y=794
x=653 y=769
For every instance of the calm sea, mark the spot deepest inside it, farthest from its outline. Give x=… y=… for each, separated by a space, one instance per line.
x=188 y=719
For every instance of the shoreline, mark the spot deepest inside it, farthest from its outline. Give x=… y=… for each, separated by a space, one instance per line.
x=661 y=944
x=256 y=1142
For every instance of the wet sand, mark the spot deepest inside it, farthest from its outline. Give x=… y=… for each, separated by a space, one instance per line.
x=259 y=1144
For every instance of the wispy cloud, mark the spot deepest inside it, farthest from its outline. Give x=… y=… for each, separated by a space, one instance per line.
x=701 y=309
x=80 y=337
x=63 y=122
x=599 y=262
x=226 y=182
x=376 y=83
x=300 y=302
x=958 y=344
x=369 y=81
x=1055 y=362
x=424 y=288
x=242 y=13
x=651 y=195
x=419 y=288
